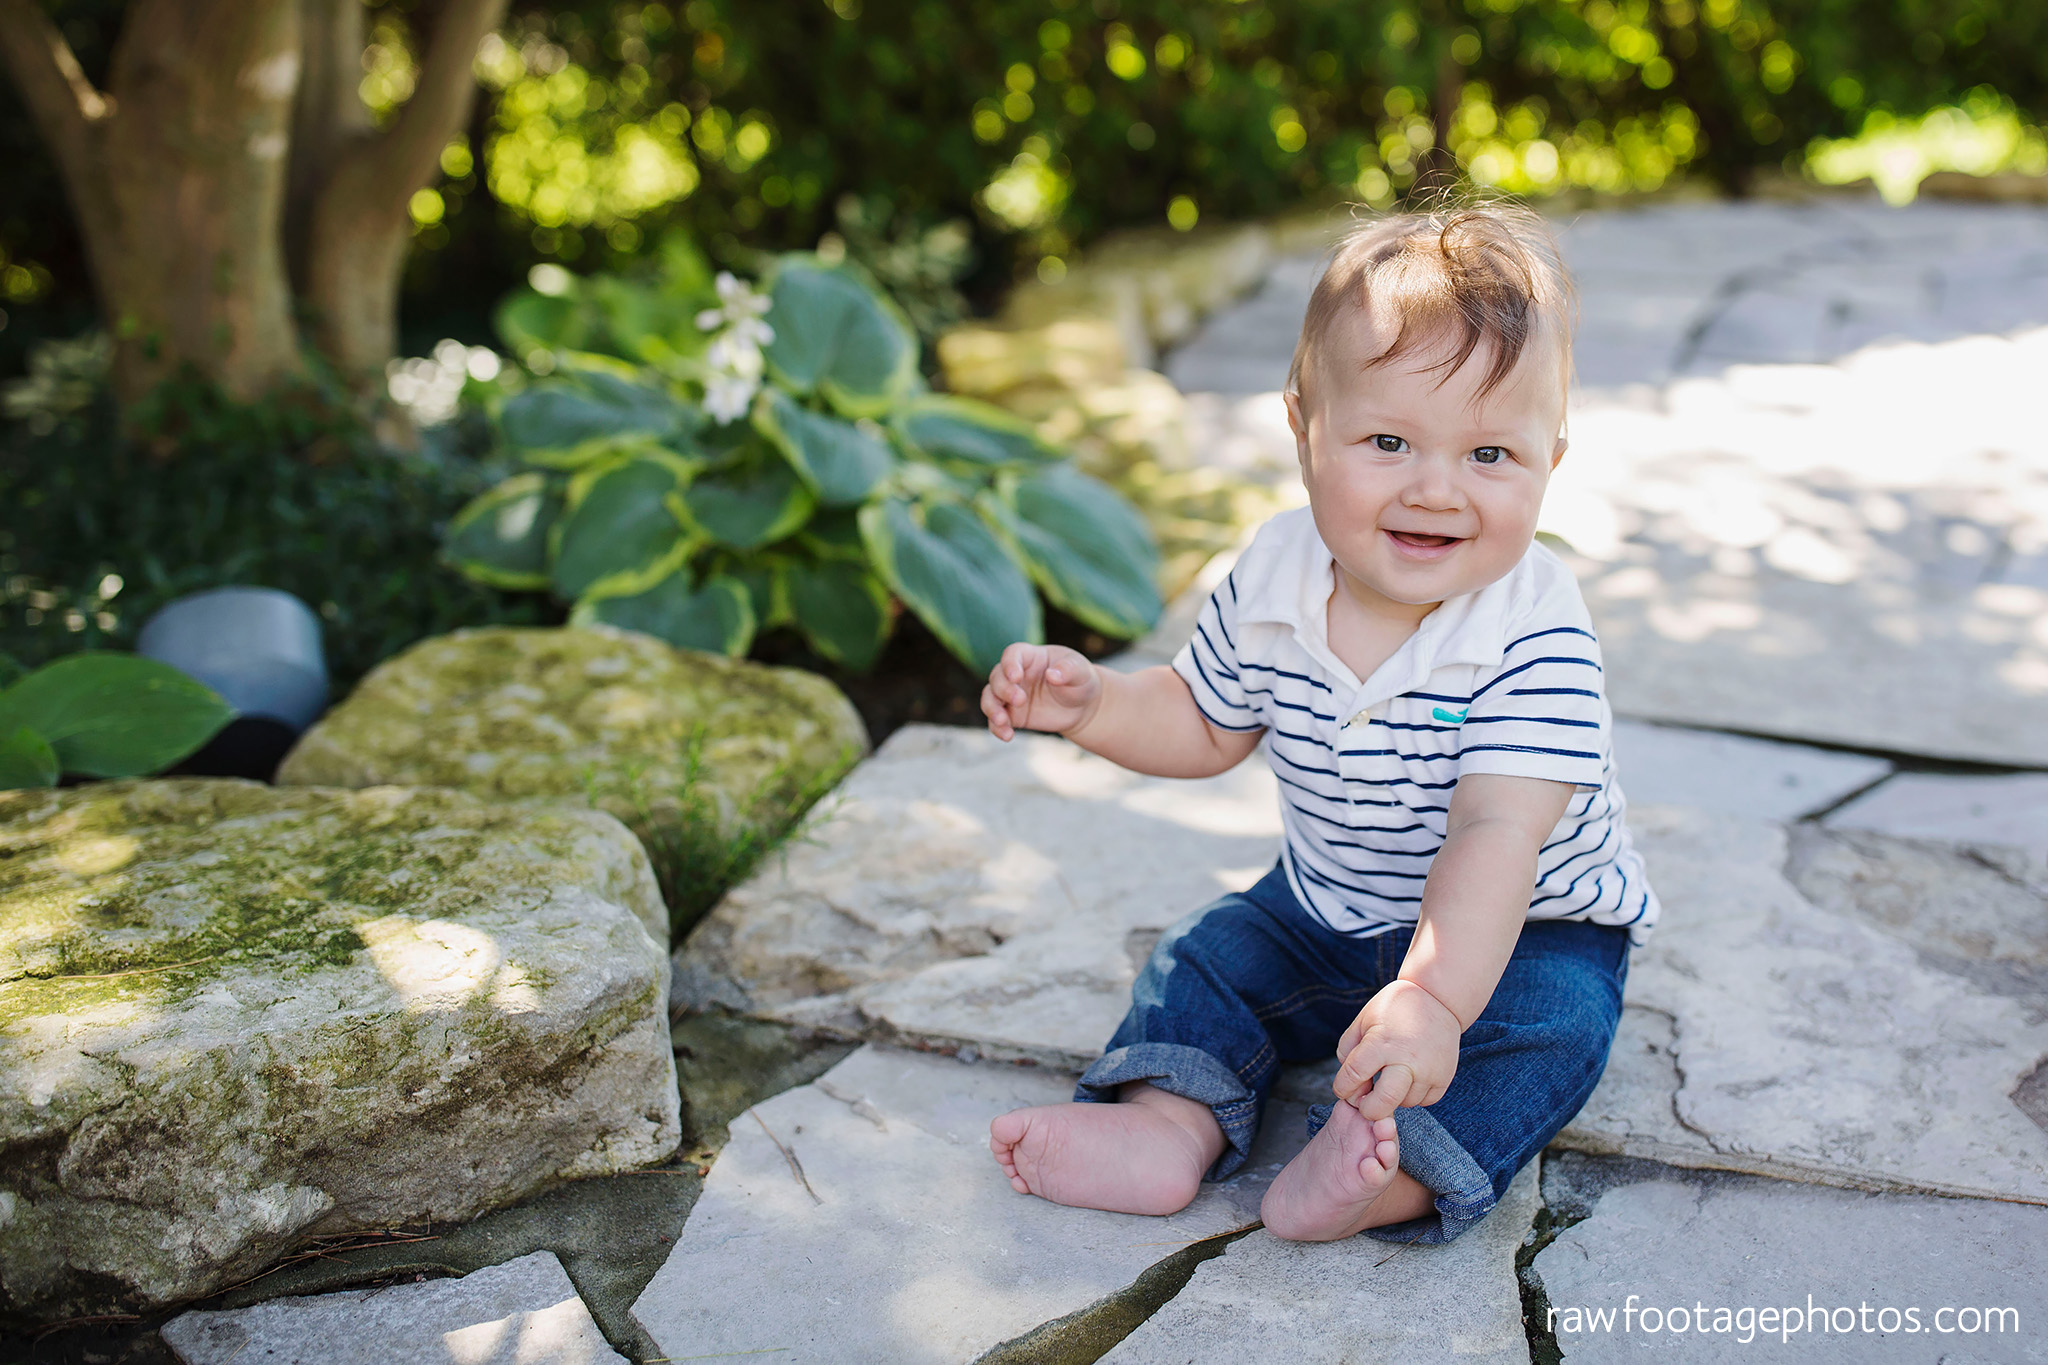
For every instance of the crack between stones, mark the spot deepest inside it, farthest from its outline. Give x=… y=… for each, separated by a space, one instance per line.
x=1543 y=1230
x=1086 y=1335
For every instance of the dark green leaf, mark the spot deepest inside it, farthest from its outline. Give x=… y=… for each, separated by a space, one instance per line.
x=501 y=538
x=530 y=321
x=717 y=617
x=834 y=533
x=569 y=422
x=26 y=760
x=836 y=336
x=1085 y=546
x=620 y=533
x=966 y=429
x=842 y=610
x=841 y=462
x=749 y=506
x=951 y=570
x=114 y=715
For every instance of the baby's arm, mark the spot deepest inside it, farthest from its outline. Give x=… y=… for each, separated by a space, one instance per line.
x=1145 y=721
x=1403 y=1047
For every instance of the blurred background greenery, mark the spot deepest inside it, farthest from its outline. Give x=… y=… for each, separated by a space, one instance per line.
x=974 y=140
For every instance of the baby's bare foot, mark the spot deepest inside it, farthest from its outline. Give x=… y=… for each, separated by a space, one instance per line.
x=1327 y=1191
x=1134 y=1157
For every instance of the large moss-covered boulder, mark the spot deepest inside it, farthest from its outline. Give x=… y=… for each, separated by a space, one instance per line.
x=683 y=746
x=233 y=1016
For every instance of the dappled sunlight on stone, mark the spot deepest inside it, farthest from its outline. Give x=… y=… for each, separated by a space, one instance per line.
x=432 y=963
x=91 y=857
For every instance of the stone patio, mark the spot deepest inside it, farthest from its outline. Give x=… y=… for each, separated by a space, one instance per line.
x=1811 y=513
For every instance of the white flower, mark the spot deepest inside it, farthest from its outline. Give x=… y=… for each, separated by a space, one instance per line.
x=734 y=355
x=739 y=306
x=727 y=396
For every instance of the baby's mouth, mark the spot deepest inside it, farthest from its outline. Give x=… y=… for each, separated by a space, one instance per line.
x=1419 y=541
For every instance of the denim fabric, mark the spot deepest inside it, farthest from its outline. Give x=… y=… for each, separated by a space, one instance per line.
x=1252 y=980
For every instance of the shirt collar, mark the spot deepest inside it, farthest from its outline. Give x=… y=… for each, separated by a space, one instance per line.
x=1286 y=580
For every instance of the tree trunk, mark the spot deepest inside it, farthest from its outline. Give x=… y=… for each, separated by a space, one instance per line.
x=360 y=225
x=176 y=175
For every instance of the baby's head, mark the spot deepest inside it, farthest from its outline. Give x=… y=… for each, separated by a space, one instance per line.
x=1427 y=398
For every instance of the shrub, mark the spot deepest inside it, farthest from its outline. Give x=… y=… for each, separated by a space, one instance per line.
x=702 y=472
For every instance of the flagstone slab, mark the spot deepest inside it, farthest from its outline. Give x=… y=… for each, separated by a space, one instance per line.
x=861 y=1218
x=1735 y=774
x=1655 y=1247
x=1333 y=1303
x=2006 y=809
x=1769 y=1034
x=524 y=1312
x=959 y=890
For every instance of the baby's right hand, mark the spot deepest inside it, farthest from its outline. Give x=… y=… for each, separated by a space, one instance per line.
x=1040 y=687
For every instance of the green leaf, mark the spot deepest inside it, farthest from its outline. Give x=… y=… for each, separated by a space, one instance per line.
x=834 y=534
x=717 y=617
x=841 y=462
x=530 y=321
x=951 y=570
x=114 y=715
x=570 y=422
x=1085 y=546
x=952 y=428
x=748 y=506
x=763 y=581
x=836 y=336
x=842 y=610
x=501 y=537
x=26 y=760
x=620 y=533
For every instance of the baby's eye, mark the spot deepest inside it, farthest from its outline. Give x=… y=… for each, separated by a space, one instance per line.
x=1393 y=445
x=1490 y=454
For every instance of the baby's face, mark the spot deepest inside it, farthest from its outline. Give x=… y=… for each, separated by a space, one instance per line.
x=1421 y=488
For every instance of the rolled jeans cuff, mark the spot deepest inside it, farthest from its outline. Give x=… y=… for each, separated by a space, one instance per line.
x=1464 y=1192
x=1190 y=1073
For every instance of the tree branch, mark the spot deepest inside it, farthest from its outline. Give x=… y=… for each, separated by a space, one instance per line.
x=390 y=165
x=63 y=103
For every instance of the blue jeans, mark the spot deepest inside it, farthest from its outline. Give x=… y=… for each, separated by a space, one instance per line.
x=1253 y=980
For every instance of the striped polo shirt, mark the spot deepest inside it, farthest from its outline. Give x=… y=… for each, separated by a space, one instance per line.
x=1503 y=680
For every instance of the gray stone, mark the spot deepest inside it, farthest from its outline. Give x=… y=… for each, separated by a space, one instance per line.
x=236 y=1016
x=2011 y=810
x=1734 y=774
x=861 y=1218
x=1768 y=1034
x=962 y=890
x=656 y=734
x=524 y=1312
x=1736 y=1246
x=1359 y=1299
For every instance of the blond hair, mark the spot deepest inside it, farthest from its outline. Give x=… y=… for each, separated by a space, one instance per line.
x=1474 y=271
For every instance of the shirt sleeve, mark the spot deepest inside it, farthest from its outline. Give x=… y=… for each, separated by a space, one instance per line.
x=1543 y=712
x=1208 y=664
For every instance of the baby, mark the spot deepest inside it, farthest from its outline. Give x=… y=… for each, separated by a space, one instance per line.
x=1456 y=897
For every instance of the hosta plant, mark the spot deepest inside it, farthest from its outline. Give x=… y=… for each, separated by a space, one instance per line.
x=702 y=462
x=101 y=714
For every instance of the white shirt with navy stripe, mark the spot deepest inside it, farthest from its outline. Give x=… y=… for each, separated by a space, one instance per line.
x=1503 y=680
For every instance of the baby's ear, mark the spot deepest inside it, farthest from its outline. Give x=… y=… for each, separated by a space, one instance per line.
x=1297 y=422
x=1558 y=454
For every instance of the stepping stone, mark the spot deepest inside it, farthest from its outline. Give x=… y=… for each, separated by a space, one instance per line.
x=861 y=1218
x=1734 y=774
x=1768 y=1034
x=1359 y=1299
x=1667 y=1245
x=959 y=890
x=2011 y=810
x=235 y=1016
x=524 y=1312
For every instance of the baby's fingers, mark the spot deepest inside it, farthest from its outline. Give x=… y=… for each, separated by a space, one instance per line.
x=1390 y=1090
x=999 y=723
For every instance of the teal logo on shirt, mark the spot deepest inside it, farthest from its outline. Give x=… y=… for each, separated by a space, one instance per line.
x=1451 y=717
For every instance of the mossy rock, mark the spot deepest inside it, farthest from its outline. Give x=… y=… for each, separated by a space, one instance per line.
x=520 y=714
x=233 y=1016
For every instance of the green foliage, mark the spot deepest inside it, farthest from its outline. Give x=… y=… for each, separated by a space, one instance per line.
x=99 y=528
x=685 y=497
x=698 y=850
x=99 y=714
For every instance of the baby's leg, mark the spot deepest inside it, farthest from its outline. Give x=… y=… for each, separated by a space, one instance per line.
x=1146 y=1154
x=1347 y=1179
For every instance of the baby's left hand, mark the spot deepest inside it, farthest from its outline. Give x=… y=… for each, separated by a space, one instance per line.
x=1401 y=1051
